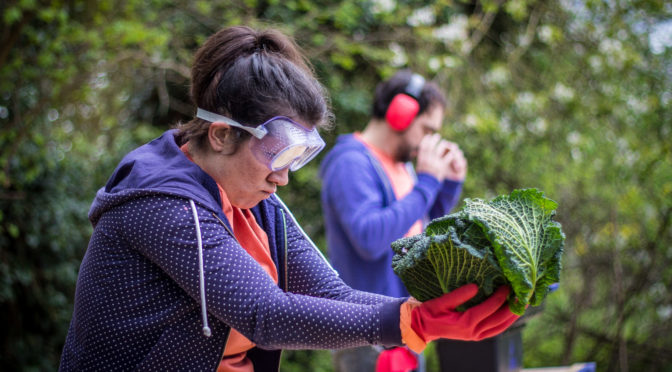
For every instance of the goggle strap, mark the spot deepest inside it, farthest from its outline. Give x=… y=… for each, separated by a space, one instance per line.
x=212 y=117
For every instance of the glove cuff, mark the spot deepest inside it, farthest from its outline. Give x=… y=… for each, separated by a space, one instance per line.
x=408 y=335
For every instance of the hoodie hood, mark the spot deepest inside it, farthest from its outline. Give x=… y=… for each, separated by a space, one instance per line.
x=158 y=167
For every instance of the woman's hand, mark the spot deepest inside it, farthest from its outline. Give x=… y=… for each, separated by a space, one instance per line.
x=437 y=318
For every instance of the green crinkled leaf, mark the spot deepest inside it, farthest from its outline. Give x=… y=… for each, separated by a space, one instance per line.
x=511 y=239
x=410 y=261
x=445 y=257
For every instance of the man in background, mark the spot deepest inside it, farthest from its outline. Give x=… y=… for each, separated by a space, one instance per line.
x=372 y=195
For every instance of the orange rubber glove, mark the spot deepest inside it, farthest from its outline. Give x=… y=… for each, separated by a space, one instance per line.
x=437 y=318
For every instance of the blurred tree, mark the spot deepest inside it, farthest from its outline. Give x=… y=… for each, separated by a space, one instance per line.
x=65 y=123
x=571 y=97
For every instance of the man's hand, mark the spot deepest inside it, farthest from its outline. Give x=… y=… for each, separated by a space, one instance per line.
x=457 y=170
x=440 y=158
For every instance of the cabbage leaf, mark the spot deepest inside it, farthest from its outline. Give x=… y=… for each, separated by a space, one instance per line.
x=511 y=239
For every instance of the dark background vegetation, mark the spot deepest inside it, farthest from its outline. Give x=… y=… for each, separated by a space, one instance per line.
x=571 y=97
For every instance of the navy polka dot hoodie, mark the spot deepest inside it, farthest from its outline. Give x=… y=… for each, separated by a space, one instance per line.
x=163 y=279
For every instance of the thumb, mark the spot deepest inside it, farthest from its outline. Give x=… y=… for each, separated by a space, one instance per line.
x=451 y=300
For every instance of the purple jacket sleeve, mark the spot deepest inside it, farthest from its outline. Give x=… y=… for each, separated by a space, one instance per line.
x=241 y=294
x=357 y=196
x=310 y=274
x=447 y=199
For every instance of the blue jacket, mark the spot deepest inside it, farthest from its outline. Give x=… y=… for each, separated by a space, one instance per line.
x=140 y=303
x=363 y=217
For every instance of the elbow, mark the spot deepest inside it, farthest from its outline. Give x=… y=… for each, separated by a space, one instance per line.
x=371 y=245
x=370 y=255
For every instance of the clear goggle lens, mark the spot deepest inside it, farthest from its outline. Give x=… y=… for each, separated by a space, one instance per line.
x=279 y=142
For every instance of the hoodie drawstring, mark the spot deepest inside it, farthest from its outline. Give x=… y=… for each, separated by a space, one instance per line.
x=201 y=275
x=284 y=207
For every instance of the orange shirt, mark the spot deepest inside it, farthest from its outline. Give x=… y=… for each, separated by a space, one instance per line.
x=255 y=241
x=401 y=180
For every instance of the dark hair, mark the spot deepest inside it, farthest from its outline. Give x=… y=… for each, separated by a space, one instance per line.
x=385 y=91
x=250 y=76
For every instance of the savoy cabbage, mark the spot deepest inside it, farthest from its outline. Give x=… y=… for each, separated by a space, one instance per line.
x=511 y=239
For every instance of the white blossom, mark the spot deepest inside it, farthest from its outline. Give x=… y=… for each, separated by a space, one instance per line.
x=546 y=34
x=451 y=62
x=52 y=114
x=637 y=105
x=505 y=123
x=399 y=58
x=422 y=17
x=456 y=30
x=525 y=100
x=434 y=63
x=538 y=126
x=383 y=6
x=613 y=52
x=595 y=63
x=563 y=93
x=498 y=75
x=573 y=138
x=471 y=121
x=660 y=37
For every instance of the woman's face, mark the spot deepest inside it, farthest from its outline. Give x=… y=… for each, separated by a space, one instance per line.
x=248 y=181
x=235 y=168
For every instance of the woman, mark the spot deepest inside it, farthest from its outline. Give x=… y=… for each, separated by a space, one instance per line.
x=196 y=264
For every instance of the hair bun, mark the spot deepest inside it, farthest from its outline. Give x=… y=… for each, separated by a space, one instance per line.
x=266 y=44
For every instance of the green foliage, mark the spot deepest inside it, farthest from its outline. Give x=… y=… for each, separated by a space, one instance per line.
x=572 y=90
x=511 y=239
x=307 y=360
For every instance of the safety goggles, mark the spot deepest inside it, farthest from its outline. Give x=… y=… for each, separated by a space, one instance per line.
x=278 y=143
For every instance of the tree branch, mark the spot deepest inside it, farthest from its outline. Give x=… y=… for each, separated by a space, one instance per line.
x=657 y=354
x=482 y=29
x=528 y=36
x=14 y=37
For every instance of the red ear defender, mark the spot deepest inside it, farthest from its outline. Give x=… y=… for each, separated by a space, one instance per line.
x=402 y=111
x=405 y=106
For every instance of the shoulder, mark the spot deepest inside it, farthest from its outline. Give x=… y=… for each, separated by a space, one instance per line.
x=347 y=151
x=347 y=143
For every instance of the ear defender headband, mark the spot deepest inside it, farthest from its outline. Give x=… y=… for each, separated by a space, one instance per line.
x=404 y=106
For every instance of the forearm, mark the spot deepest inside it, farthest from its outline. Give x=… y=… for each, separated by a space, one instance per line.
x=306 y=322
x=308 y=273
x=334 y=288
x=447 y=198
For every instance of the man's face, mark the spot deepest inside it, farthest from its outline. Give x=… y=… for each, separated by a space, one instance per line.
x=427 y=123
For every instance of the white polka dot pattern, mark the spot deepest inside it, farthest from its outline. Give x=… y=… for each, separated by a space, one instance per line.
x=138 y=303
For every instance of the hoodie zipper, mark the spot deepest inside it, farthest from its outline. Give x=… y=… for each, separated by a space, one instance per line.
x=284 y=227
x=284 y=264
x=228 y=333
x=286 y=254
